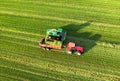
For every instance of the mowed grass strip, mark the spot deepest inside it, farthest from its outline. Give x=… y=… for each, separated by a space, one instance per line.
x=55 y=66
x=16 y=41
x=8 y=78
x=36 y=38
x=85 y=30
x=33 y=15
x=22 y=73
x=12 y=44
x=76 y=61
x=45 y=72
x=79 y=14
x=34 y=43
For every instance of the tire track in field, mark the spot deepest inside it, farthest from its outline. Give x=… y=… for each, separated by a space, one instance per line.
x=56 y=78
x=50 y=73
x=12 y=77
x=56 y=61
x=29 y=73
x=56 y=18
x=63 y=69
x=63 y=5
x=38 y=56
x=88 y=12
x=20 y=32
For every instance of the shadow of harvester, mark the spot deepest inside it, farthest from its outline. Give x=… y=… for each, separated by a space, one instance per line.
x=85 y=39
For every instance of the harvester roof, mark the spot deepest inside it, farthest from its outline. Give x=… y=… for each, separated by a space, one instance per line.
x=54 y=32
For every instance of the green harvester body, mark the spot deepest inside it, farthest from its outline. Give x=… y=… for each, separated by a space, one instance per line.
x=54 y=38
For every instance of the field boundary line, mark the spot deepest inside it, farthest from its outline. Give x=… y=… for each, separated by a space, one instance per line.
x=56 y=18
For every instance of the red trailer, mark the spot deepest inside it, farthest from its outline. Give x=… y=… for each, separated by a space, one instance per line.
x=72 y=47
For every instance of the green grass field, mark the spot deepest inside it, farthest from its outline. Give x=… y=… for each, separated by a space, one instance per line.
x=93 y=24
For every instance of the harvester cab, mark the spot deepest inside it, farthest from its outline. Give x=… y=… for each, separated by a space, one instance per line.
x=53 y=34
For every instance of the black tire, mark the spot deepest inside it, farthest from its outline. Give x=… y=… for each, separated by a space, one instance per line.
x=78 y=53
x=47 y=49
x=42 y=40
x=69 y=52
x=43 y=48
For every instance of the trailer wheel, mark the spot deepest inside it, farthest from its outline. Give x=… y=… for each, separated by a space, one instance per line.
x=43 y=48
x=69 y=52
x=47 y=49
x=78 y=53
